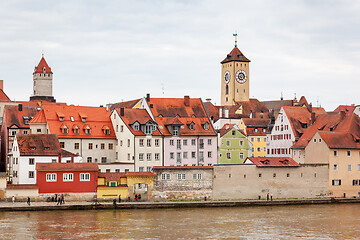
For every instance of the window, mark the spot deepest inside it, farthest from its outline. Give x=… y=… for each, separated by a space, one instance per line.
x=62 y=145
x=68 y=177
x=171 y=155
x=356 y=182
x=197 y=176
x=209 y=154
x=274 y=175
x=201 y=156
x=102 y=146
x=65 y=130
x=178 y=144
x=185 y=142
x=157 y=156
x=201 y=143
x=241 y=143
x=193 y=154
x=89 y=159
x=148 y=169
x=260 y=175
x=148 y=156
x=349 y=167
x=84 y=176
x=335 y=167
x=241 y=155
x=90 y=146
x=141 y=169
x=38 y=130
x=193 y=142
x=185 y=155
x=259 y=149
x=121 y=143
x=76 y=145
x=175 y=130
x=228 y=155
x=192 y=126
x=156 y=142
x=252 y=139
x=335 y=153
x=178 y=157
x=148 y=129
x=181 y=176
x=141 y=142
x=206 y=126
x=233 y=132
x=227 y=143
x=51 y=177
x=336 y=182
x=61 y=119
x=87 y=131
x=288 y=175
x=129 y=156
x=111 y=145
x=31 y=174
x=209 y=142
x=128 y=143
x=76 y=131
x=358 y=167
x=31 y=161
x=171 y=142
x=121 y=128
x=25 y=132
x=103 y=159
x=141 y=156
x=258 y=139
x=348 y=153
x=148 y=142
x=53 y=160
x=136 y=126
x=165 y=176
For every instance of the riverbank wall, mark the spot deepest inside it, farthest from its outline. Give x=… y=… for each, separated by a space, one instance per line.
x=22 y=206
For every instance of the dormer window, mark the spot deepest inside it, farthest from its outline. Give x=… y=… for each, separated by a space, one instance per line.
x=47 y=148
x=160 y=116
x=61 y=119
x=148 y=129
x=136 y=126
x=177 y=115
x=192 y=126
x=107 y=131
x=44 y=70
x=76 y=131
x=193 y=116
x=154 y=127
x=256 y=130
x=26 y=120
x=87 y=130
x=33 y=148
x=83 y=120
x=72 y=118
x=175 y=130
x=206 y=126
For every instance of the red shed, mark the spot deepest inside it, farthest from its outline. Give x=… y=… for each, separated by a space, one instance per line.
x=67 y=177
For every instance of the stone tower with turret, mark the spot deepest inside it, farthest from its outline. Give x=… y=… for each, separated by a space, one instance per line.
x=42 y=80
x=234 y=78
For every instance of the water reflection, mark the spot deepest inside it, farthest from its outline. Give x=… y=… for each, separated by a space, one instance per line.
x=268 y=222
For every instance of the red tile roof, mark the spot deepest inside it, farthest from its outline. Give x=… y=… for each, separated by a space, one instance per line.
x=212 y=111
x=168 y=111
x=22 y=186
x=4 y=97
x=137 y=115
x=40 y=67
x=345 y=108
x=227 y=128
x=235 y=55
x=273 y=161
x=39 y=117
x=256 y=122
x=112 y=176
x=127 y=104
x=303 y=102
x=38 y=144
x=97 y=119
x=146 y=174
x=15 y=117
x=67 y=166
x=340 y=130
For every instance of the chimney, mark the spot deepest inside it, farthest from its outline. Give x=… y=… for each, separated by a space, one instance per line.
x=122 y=110
x=59 y=158
x=72 y=158
x=309 y=107
x=208 y=100
x=342 y=115
x=148 y=97
x=187 y=101
x=20 y=107
x=312 y=118
x=2 y=85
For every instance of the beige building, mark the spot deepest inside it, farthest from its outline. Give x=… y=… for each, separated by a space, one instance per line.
x=42 y=80
x=235 y=78
x=279 y=177
x=334 y=139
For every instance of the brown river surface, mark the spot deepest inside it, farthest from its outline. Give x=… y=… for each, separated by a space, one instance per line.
x=341 y=221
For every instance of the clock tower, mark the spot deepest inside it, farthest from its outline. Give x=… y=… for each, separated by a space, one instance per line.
x=234 y=77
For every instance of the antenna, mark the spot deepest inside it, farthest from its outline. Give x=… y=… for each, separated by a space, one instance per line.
x=42 y=53
x=317 y=102
x=162 y=89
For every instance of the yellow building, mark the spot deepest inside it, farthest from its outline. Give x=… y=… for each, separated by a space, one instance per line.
x=124 y=184
x=235 y=78
x=256 y=130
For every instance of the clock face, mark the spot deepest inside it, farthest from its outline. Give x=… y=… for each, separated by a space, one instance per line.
x=241 y=76
x=227 y=77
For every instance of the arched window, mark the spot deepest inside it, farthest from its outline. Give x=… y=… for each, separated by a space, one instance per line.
x=226 y=89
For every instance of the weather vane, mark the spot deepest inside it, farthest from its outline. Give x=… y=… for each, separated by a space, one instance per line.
x=235 y=35
x=42 y=53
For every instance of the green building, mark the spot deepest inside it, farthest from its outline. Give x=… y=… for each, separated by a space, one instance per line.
x=234 y=146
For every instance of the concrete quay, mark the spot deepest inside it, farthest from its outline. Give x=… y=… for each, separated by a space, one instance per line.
x=49 y=206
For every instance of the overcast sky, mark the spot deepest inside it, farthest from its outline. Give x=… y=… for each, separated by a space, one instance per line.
x=108 y=51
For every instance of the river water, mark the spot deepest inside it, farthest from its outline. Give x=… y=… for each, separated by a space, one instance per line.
x=341 y=221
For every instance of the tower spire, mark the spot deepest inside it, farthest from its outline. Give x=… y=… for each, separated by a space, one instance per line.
x=235 y=35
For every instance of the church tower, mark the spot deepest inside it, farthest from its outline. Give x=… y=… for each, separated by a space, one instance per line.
x=234 y=77
x=42 y=78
